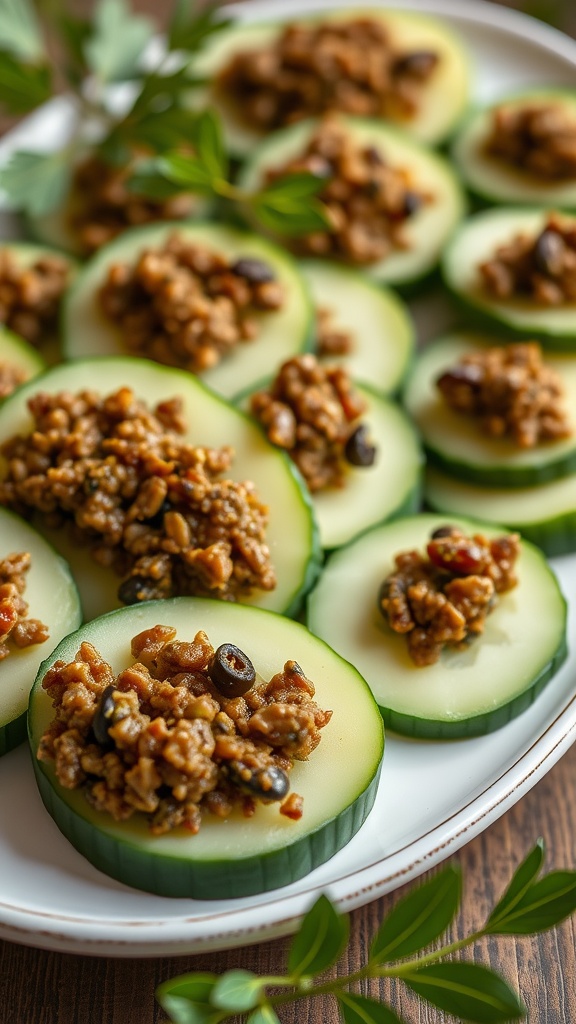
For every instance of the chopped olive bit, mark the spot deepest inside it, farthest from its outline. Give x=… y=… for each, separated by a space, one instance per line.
x=358 y=450
x=231 y=671
x=266 y=784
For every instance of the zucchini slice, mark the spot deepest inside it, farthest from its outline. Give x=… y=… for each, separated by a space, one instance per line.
x=475 y=242
x=17 y=353
x=378 y=321
x=237 y=856
x=87 y=331
x=495 y=180
x=292 y=532
x=52 y=597
x=466 y=693
x=456 y=444
x=544 y=515
x=426 y=231
x=443 y=101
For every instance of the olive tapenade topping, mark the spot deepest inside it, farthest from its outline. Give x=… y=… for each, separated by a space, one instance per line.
x=510 y=392
x=542 y=268
x=16 y=629
x=183 y=305
x=314 y=413
x=158 y=511
x=30 y=294
x=441 y=599
x=351 y=66
x=162 y=737
x=539 y=138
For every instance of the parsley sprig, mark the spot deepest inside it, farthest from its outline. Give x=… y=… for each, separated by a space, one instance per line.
x=168 y=147
x=532 y=903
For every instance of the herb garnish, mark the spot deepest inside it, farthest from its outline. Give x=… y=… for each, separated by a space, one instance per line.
x=169 y=147
x=467 y=990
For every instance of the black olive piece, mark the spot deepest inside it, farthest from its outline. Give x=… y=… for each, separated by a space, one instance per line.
x=358 y=450
x=135 y=589
x=374 y=156
x=269 y=784
x=156 y=522
x=468 y=374
x=549 y=252
x=443 y=531
x=253 y=270
x=231 y=671
x=104 y=717
x=412 y=203
x=418 y=64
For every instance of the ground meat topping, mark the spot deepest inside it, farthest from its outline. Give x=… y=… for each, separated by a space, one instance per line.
x=16 y=629
x=332 y=340
x=314 y=413
x=510 y=392
x=541 y=268
x=186 y=306
x=351 y=66
x=157 y=510
x=30 y=294
x=367 y=200
x=10 y=378
x=441 y=599
x=103 y=206
x=538 y=138
x=160 y=737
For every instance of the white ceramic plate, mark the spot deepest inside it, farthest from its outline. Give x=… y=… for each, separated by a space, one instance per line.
x=433 y=798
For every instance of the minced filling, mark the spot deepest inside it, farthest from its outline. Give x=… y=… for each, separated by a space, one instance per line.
x=510 y=392
x=352 y=66
x=186 y=306
x=10 y=378
x=440 y=599
x=536 y=137
x=331 y=338
x=541 y=267
x=182 y=730
x=368 y=201
x=161 y=512
x=30 y=294
x=314 y=413
x=17 y=630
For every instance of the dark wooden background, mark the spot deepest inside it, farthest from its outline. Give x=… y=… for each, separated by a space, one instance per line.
x=39 y=987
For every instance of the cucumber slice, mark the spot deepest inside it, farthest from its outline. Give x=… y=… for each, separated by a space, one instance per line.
x=466 y=693
x=426 y=231
x=476 y=241
x=52 y=597
x=87 y=332
x=239 y=856
x=291 y=534
x=455 y=442
x=378 y=321
x=492 y=178
x=16 y=352
x=545 y=515
x=443 y=101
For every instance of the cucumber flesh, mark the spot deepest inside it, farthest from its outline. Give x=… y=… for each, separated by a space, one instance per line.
x=291 y=533
x=443 y=100
x=493 y=178
x=238 y=856
x=474 y=243
x=544 y=515
x=456 y=444
x=282 y=333
x=466 y=693
x=17 y=353
x=426 y=231
x=52 y=597
x=378 y=321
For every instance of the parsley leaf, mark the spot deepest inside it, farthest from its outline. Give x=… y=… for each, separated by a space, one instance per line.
x=36 y=182
x=115 y=49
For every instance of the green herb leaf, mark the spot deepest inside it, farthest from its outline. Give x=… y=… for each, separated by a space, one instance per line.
x=23 y=86
x=237 y=991
x=290 y=216
x=466 y=990
x=187 y=171
x=115 y=49
x=147 y=181
x=75 y=33
x=294 y=186
x=542 y=906
x=163 y=132
x=419 y=918
x=320 y=940
x=209 y=144
x=263 y=1015
x=36 y=182
x=521 y=881
x=189 y=30
x=19 y=30
x=359 y=1010
x=186 y=998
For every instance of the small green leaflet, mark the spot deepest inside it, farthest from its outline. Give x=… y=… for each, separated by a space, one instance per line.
x=320 y=940
x=186 y=171
x=299 y=185
x=543 y=905
x=263 y=1015
x=466 y=990
x=209 y=144
x=186 y=998
x=520 y=882
x=188 y=30
x=23 y=86
x=145 y=181
x=20 y=32
x=237 y=991
x=36 y=182
x=359 y=1010
x=289 y=216
x=419 y=918
x=114 y=51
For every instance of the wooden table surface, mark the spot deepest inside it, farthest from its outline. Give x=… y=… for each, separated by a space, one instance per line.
x=40 y=987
